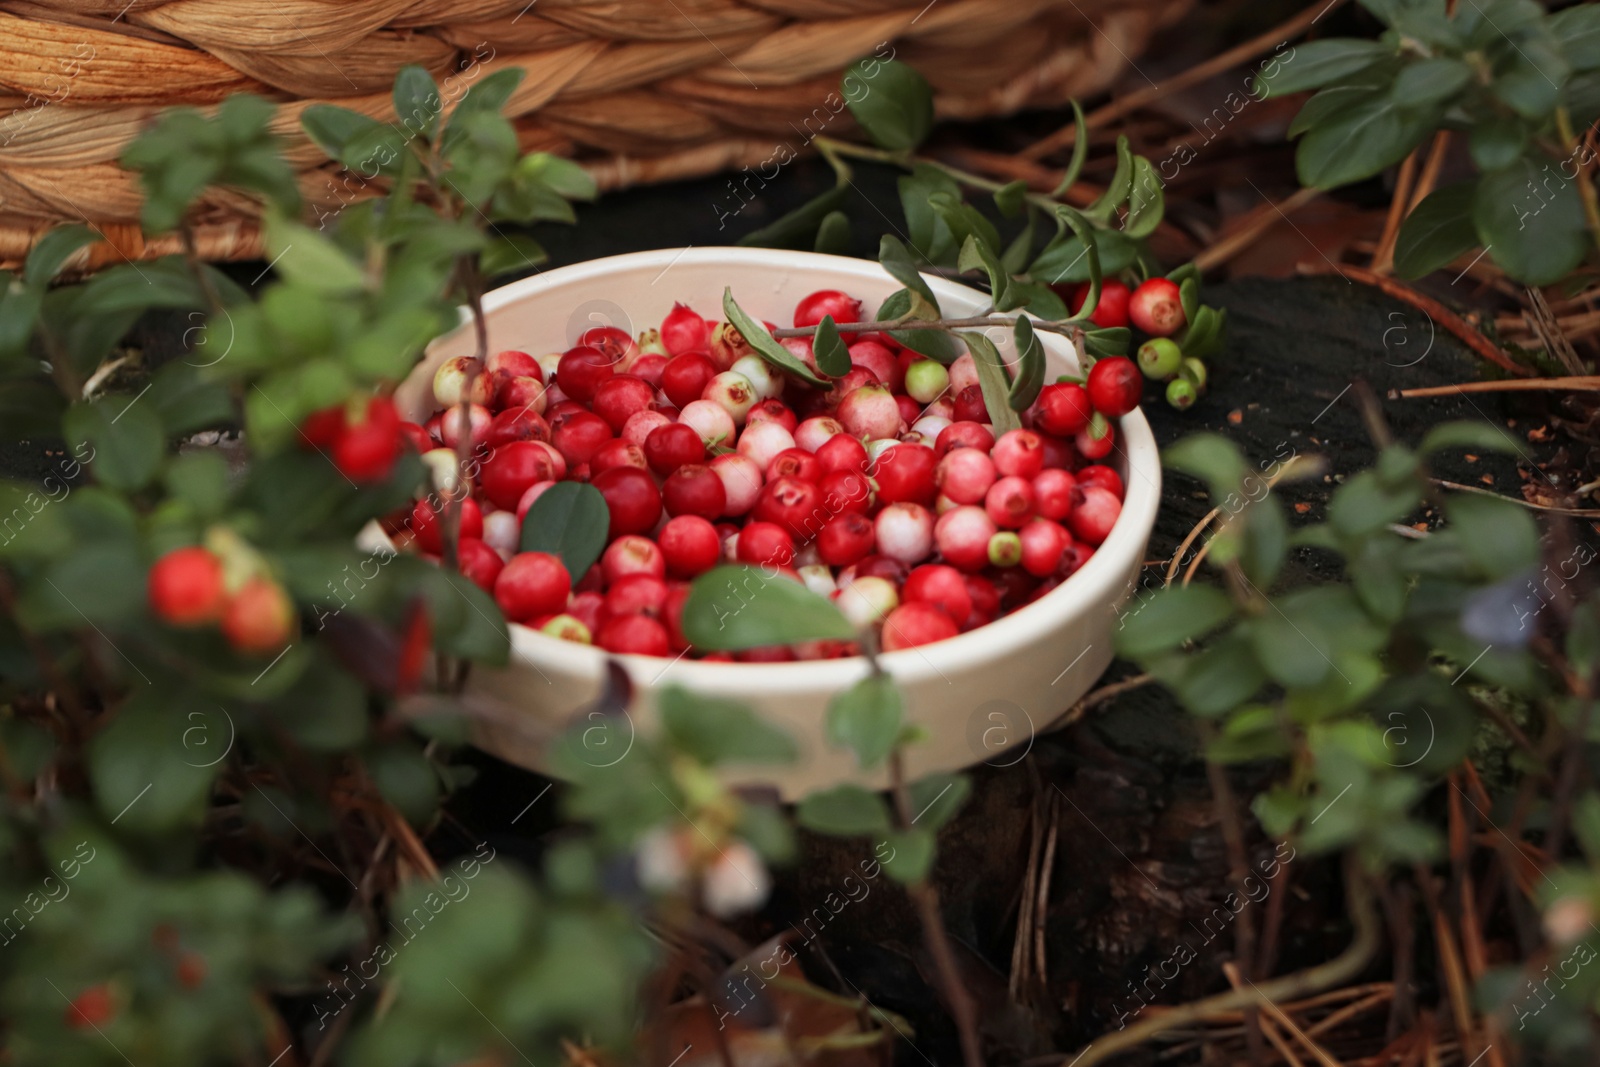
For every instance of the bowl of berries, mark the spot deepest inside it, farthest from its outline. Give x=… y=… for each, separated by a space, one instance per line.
x=986 y=569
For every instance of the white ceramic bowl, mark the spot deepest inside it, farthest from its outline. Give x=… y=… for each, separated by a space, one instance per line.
x=981 y=697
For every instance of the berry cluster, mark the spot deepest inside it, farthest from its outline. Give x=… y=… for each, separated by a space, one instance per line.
x=364 y=443
x=888 y=490
x=192 y=587
x=1155 y=308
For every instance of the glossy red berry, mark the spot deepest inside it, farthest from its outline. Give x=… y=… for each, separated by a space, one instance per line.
x=581 y=371
x=905 y=472
x=670 y=447
x=633 y=500
x=617 y=345
x=792 y=504
x=912 y=625
x=1063 y=408
x=969 y=405
x=794 y=463
x=259 y=619
x=965 y=475
x=427 y=524
x=765 y=543
x=516 y=424
x=637 y=635
x=690 y=546
x=1052 y=491
x=771 y=410
x=1156 y=307
x=962 y=535
x=515 y=364
x=636 y=594
x=185 y=587
x=1019 y=453
x=842 y=306
x=1112 y=308
x=847 y=491
x=532 y=584
x=1103 y=476
x=366 y=452
x=1115 y=386
x=579 y=436
x=617 y=453
x=479 y=563
x=1042 y=544
x=942 y=586
x=1010 y=502
x=845 y=539
x=628 y=555
x=964 y=435
x=620 y=397
x=880 y=361
x=684 y=331
x=1096 y=441
x=694 y=489
x=1094 y=513
x=841 y=452
x=684 y=377
x=512 y=470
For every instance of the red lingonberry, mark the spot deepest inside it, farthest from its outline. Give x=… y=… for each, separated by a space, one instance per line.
x=962 y=535
x=670 y=447
x=1010 y=502
x=587 y=607
x=965 y=475
x=1112 y=308
x=1052 y=492
x=766 y=654
x=1018 y=453
x=841 y=306
x=794 y=463
x=1058 y=454
x=632 y=554
x=560 y=412
x=581 y=371
x=969 y=406
x=684 y=331
x=512 y=469
x=322 y=428
x=1156 y=307
x=638 y=429
x=428 y=528
x=848 y=491
x=1096 y=440
x=880 y=361
x=905 y=472
x=516 y=424
x=764 y=542
x=694 y=489
x=259 y=618
x=911 y=625
x=185 y=587
x=684 y=377
x=741 y=480
x=92 y=1008
x=908 y=408
x=636 y=594
x=846 y=539
x=771 y=410
x=792 y=504
x=690 y=546
x=905 y=532
x=964 y=435
x=817 y=431
x=672 y=616
x=615 y=344
x=515 y=363
x=620 y=397
x=632 y=498
x=418 y=438
x=637 y=635
x=1115 y=386
x=942 y=586
x=524 y=392
x=579 y=436
x=479 y=563
x=475 y=426
x=1042 y=544
x=1063 y=408
x=1094 y=513
x=841 y=452
x=1103 y=476
x=532 y=584
x=367 y=451
x=617 y=453
x=649 y=366
x=871 y=412
x=985 y=601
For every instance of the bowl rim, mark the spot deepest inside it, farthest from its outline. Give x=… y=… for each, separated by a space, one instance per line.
x=1101 y=581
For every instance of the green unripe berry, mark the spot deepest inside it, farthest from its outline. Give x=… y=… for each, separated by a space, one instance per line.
x=1181 y=393
x=568 y=628
x=1160 y=358
x=1005 y=549
x=926 y=379
x=1195 y=370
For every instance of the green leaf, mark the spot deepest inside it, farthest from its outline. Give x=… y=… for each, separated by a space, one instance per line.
x=200 y=480
x=936 y=799
x=1085 y=233
x=53 y=250
x=570 y=520
x=764 y=344
x=29 y=406
x=144 y=776
x=466 y=620
x=1210 y=457
x=1499 y=535
x=1497 y=141
x=1316 y=63
x=416 y=101
x=896 y=259
x=929 y=234
x=911 y=855
x=834 y=235
x=1578 y=30
x=1030 y=366
x=866 y=719
x=406 y=779
x=1437 y=231
x=303 y=255
x=165 y=283
x=1215 y=679
x=100 y=585
x=896 y=110
x=126 y=436
x=325 y=710
x=1529 y=75
x=1146 y=201
x=488 y=95
x=562 y=176
x=717 y=731
x=935 y=344
x=976 y=255
x=1362 y=505
x=1169 y=617
x=736 y=607
x=333 y=128
x=1360 y=142
x=1112 y=341
x=1429 y=80
x=1293 y=651
x=509 y=252
x=965 y=221
x=1080 y=152
x=798 y=228
x=1468 y=433
x=185 y=401
x=1337 y=99
x=992 y=380
x=1535 y=227
x=1265 y=542
x=844 y=811
x=1117 y=189
x=831 y=354
x=1066 y=259
x=1016 y=256
x=1012 y=198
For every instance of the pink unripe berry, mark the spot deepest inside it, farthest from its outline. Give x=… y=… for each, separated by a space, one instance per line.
x=733 y=392
x=814 y=432
x=963 y=372
x=620 y=397
x=871 y=412
x=521 y=392
x=502 y=531
x=639 y=426
x=450 y=382
x=773 y=410
x=763 y=441
x=1094 y=513
x=710 y=420
x=965 y=475
x=514 y=363
x=763 y=376
x=1010 y=502
x=905 y=532
x=866 y=600
x=879 y=360
x=742 y=480
x=928 y=428
x=963 y=535
x=1019 y=453
x=1052 y=491
x=478 y=420
x=964 y=435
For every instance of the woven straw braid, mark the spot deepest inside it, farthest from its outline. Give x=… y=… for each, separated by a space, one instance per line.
x=637 y=90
